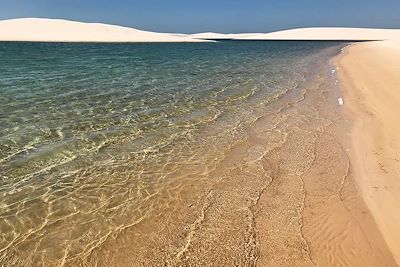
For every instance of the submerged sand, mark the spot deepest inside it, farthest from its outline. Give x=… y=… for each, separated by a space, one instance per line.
x=285 y=196
x=297 y=191
x=370 y=75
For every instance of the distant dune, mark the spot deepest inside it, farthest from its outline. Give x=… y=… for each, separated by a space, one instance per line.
x=57 y=30
x=353 y=34
x=216 y=36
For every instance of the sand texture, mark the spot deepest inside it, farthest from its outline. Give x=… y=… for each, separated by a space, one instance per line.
x=370 y=74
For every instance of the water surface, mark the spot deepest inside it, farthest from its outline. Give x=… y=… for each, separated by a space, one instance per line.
x=100 y=139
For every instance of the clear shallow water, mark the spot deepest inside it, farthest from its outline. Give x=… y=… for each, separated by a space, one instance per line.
x=96 y=138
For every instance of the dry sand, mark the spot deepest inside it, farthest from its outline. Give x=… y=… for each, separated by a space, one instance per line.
x=370 y=73
x=57 y=30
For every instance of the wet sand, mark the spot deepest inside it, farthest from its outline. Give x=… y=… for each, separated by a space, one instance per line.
x=370 y=75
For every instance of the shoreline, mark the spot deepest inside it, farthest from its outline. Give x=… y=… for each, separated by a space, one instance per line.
x=367 y=72
x=305 y=209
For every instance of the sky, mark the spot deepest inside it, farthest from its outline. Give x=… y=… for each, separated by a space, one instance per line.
x=226 y=16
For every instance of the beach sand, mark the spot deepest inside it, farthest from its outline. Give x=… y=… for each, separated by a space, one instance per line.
x=371 y=82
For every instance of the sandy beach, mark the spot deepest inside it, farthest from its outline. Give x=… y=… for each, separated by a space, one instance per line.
x=371 y=84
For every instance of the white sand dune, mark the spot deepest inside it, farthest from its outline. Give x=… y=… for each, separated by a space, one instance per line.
x=334 y=33
x=322 y=33
x=57 y=30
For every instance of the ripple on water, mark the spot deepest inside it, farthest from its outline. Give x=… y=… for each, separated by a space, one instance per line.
x=97 y=140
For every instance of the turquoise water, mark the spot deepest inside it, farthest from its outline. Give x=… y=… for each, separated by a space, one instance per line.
x=92 y=134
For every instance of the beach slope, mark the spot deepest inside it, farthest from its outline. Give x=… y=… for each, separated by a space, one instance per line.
x=370 y=76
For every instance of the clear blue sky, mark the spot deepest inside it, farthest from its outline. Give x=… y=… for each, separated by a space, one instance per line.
x=234 y=16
